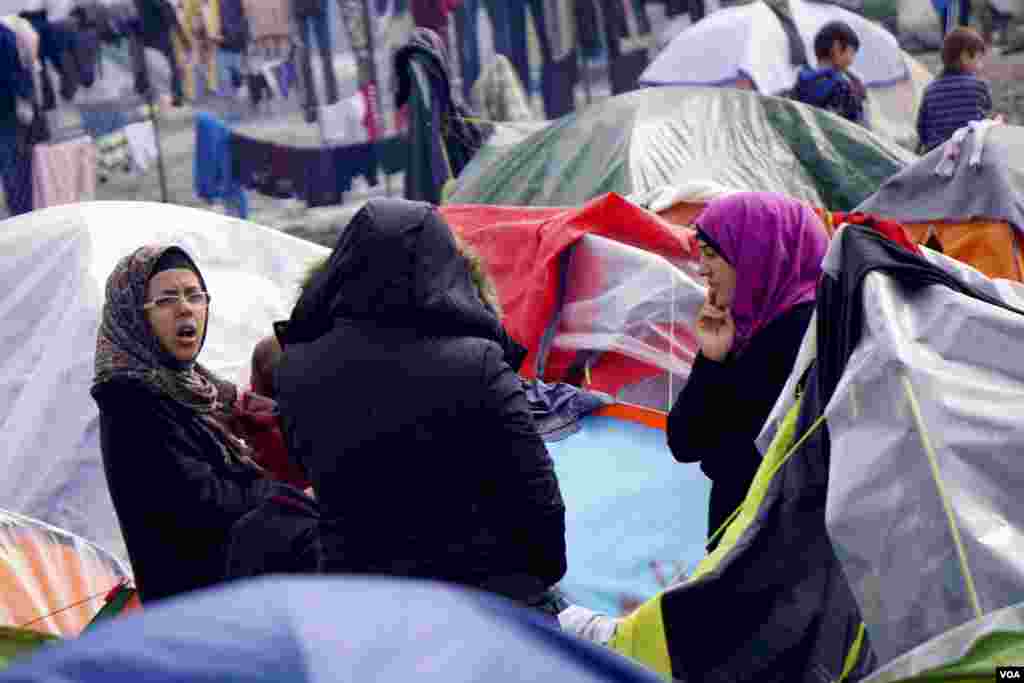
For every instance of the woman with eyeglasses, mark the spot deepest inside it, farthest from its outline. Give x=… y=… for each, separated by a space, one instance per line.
x=179 y=479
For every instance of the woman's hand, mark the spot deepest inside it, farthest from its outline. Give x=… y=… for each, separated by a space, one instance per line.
x=716 y=330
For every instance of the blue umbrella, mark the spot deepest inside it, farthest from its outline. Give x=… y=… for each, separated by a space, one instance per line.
x=321 y=629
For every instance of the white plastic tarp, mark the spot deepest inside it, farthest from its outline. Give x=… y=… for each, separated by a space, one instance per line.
x=630 y=301
x=54 y=271
x=748 y=42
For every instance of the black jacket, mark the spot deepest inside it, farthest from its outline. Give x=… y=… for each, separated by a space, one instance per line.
x=175 y=496
x=398 y=394
x=723 y=407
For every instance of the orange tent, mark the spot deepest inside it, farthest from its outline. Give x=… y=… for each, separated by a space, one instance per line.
x=50 y=580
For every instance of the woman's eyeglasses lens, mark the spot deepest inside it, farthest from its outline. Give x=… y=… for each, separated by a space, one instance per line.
x=196 y=299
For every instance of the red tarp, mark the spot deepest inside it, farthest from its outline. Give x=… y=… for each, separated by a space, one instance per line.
x=522 y=246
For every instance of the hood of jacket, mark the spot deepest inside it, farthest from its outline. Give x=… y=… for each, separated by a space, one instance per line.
x=397 y=265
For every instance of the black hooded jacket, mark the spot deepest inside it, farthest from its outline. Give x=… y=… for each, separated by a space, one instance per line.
x=399 y=395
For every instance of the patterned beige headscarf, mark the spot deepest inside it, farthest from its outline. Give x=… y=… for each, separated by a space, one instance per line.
x=126 y=348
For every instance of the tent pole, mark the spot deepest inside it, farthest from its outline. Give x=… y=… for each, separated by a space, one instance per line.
x=151 y=100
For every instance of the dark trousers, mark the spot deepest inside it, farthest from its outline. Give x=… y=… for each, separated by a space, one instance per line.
x=509 y=20
x=16 y=170
x=309 y=25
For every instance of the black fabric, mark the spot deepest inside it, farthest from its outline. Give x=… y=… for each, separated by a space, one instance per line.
x=85 y=52
x=16 y=174
x=15 y=82
x=308 y=8
x=710 y=241
x=723 y=407
x=55 y=43
x=841 y=317
x=624 y=68
x=156 y=18
x=399 y=395
x=278 y=537
x=234 y=26
x=435 y=122
x=175 y=495
x=588 y=27
x=795 y=616
x=318 y=176
x=172 y=259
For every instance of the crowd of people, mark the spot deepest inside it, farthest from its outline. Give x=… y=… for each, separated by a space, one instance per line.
x=386 y=429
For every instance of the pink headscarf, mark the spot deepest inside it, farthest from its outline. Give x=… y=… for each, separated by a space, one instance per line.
x=776 y=244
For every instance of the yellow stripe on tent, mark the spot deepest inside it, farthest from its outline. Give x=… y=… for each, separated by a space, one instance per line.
x=641 y=636
x=777 y=454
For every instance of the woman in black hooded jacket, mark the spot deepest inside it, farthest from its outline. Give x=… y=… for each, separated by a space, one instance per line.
x=399 y=395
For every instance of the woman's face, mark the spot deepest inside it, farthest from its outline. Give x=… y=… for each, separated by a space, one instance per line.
x=176 y=308
x=721 y=277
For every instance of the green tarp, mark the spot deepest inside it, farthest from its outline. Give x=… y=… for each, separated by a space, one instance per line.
x=671 y=135
x=17 y=642
x=968 y=654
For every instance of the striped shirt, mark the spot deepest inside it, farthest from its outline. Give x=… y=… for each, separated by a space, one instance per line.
x=950 y=102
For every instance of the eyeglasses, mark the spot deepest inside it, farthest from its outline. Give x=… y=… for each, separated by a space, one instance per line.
x=166 y=303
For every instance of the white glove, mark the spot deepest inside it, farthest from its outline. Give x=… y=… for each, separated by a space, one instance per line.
x=588 y=624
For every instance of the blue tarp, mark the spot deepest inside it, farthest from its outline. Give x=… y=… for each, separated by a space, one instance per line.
x=629 y=504
x=324 y=630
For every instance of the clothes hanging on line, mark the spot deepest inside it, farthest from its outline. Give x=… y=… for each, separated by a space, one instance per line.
x=63 y=173
x=213 y=173
x=141 y=144
x=345 y=122
x=316 y=176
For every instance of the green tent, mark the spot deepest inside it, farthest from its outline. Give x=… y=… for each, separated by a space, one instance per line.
x=17 y=642
x=670 y=135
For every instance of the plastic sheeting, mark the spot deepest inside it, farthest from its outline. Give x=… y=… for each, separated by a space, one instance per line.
x=993 y=189
x=609 y=285
x=927 y=425
x=643 y=140
x=748 y=42
x=52 y=581
x=55 y=266
x=635 y=518
x=635 y=303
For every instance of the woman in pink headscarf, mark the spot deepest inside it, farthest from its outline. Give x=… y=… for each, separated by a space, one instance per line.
x=761 y=254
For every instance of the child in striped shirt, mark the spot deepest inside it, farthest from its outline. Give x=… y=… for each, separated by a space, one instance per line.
x=957 y=97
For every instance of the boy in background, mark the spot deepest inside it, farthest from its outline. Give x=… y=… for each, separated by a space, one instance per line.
x=957 y=97
x=831 y=86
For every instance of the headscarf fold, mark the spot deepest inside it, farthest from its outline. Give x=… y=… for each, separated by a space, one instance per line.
x=126 y=348
x=776 y=244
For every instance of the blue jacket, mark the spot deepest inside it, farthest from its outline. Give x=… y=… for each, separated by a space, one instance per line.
x=832 y=90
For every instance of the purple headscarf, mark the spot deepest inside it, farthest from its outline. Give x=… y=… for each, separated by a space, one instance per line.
x=776 y=244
